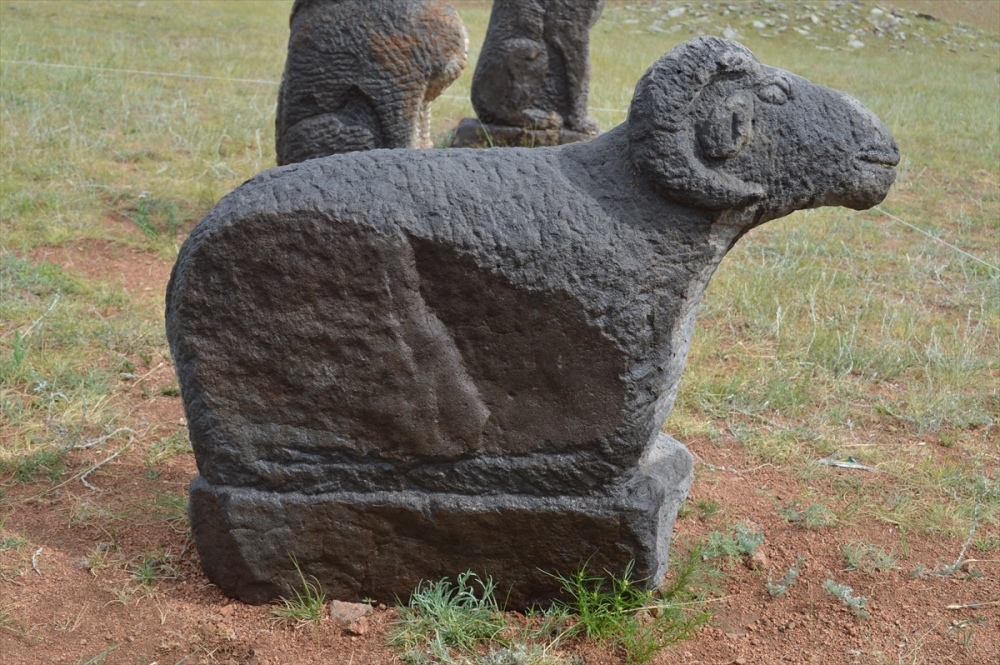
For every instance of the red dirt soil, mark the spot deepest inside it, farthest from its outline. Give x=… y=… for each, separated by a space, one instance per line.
x=59 y=612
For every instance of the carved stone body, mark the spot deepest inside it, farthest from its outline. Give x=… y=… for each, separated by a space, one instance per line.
x=361 y=75
x=531 y=80
x=401 y=365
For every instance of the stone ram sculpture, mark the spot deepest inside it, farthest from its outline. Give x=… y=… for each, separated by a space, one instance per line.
x=401 y=365
x=361 y=75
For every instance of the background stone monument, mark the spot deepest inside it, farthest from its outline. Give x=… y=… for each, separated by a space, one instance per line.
x=402 y=365
x=531 y=79
x=362 y=75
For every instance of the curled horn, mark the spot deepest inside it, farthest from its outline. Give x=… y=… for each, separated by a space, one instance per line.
x=661 y=130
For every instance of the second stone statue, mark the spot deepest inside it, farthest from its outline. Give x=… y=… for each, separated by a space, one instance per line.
x=362 y=75
x=530 y=85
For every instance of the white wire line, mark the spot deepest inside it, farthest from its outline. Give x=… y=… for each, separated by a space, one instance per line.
x=136 y=71
x=202 y=77
x=266 y=82
x=935 y=238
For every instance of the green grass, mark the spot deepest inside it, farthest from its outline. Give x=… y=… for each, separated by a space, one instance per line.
x=827 y=333
x=442 y=618
x=867 y=558
x=741 y=541
x=463 y=624
x=619 y=611
x=815 y=516
x=307 y=604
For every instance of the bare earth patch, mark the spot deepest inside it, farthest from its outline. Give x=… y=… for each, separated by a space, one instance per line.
x=139 y=272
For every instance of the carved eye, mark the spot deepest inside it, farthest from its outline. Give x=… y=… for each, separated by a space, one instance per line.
x=775 y=92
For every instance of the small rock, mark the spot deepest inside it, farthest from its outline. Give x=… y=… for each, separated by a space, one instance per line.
x=674 y=13
x=227 y=610
x=357 y=627
x=854 y=42
x=348 y=612
x=758 y=561
x=759 y=25
x=729 y=33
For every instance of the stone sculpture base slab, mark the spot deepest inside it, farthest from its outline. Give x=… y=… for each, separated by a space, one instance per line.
x=471 y=133
x=380 y=545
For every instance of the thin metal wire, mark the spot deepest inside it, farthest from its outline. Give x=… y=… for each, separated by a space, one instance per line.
x=136 y=71
x=935 y=238
x=266 y=82
x=144 y=72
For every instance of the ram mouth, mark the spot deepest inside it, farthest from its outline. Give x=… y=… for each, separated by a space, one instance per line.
x=885 y=158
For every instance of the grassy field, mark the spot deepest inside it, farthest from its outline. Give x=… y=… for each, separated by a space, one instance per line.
x=830 y=334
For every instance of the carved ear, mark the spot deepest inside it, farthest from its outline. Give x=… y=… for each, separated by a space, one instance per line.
x=726 y=130
x=661 y=131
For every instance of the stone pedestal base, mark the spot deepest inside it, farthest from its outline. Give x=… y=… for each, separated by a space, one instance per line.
x=382 y=544
x=472 y=133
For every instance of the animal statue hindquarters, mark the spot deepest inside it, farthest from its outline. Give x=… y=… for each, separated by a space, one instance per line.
x=401 y=365
x=531 y=81
x=361 y=75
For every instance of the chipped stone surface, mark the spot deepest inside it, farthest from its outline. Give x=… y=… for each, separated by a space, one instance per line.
x=361 y=75
x=402 y=365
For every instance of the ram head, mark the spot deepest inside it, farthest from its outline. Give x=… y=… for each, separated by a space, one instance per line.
x=715 y=129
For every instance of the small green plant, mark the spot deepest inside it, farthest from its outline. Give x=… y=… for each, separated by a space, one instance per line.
x=707 y=508
x=172 y=390
x=618 y=610
x=11 y=622
x=145 y=572
x=684 y=511
x=47 y=462
x=846 y=595
x=867 y=558
x=174 y=444
x=172 y=226
x=963 y=630
x=441 y=616
x=815 y=516
x=987 y=543
x=12 y=543
x=142 y=220
x=99 y=658
x=124 y=594
x=743 y=541
x=780 y=588
x=307 y=605
x=17 y=350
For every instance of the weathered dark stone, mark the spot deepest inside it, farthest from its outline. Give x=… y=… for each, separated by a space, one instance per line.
x=401 y=365
x=362 y=75
x=531 y=79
